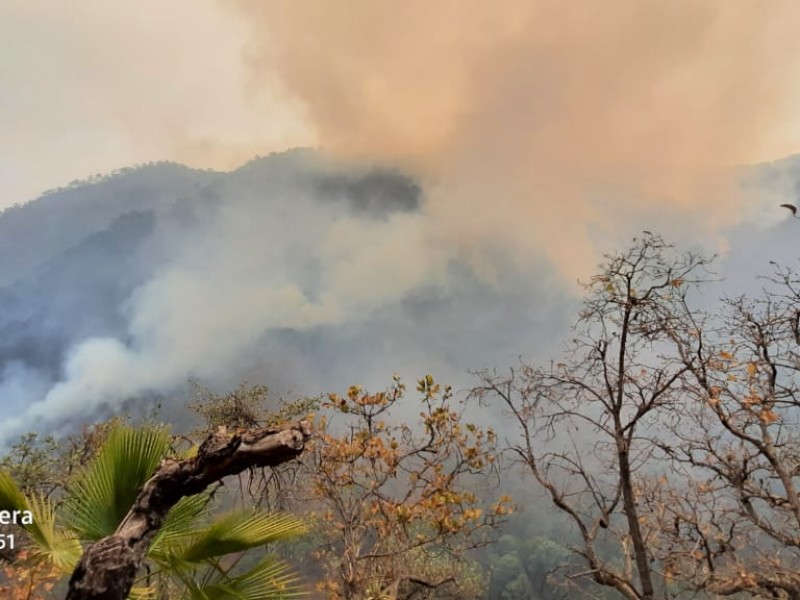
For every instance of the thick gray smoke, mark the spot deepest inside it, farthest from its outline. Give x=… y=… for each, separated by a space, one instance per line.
x=293 y=271
x=307 y=274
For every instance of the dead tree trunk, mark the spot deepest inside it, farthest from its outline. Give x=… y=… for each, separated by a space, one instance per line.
x=108 y=567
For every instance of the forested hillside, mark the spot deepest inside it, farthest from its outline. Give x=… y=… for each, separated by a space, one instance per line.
x=97 y=263
x=648 y=451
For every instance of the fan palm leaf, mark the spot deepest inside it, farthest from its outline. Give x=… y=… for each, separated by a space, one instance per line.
x=237 y=531
x=270 y=579
x=106 y=489
x=56 y=544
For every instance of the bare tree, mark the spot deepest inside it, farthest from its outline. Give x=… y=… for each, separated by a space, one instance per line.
x=734 y=526
x=585 y=424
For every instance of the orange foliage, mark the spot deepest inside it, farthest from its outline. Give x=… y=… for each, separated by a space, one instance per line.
x=389 y=492
x=25 y=579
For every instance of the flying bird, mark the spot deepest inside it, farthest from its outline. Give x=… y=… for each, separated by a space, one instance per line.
x=792 y=208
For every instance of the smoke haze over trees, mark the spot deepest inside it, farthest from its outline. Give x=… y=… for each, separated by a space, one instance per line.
x=311 y=275
x=291 y=268
x=294 y=268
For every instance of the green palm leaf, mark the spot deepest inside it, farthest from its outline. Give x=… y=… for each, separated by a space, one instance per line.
x=11 y=497
x=143 y=593
x=58 y=545
x=239 y=531
x=271 y=579
x=183 y=522
x=105 y=491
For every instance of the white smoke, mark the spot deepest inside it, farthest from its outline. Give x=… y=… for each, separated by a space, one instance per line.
x=277 y=259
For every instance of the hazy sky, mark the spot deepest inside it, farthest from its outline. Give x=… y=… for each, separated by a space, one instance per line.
x=88 y=86
x=561 y=125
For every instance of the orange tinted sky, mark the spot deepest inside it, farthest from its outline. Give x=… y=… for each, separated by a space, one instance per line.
x=553 y=122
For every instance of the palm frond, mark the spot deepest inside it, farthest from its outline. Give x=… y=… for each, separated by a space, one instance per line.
x=55 y=544
x=106 y=489
x=143 y=593
x=238 y=531
x=11 y=497
x=186 y=519
x=271 y=579
x=58 y=545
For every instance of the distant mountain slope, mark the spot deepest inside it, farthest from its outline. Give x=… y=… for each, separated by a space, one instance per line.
x=42 y=229
x=69 y=260
x=291 y=270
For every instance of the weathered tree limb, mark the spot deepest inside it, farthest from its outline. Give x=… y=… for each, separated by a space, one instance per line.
x=420 y=584
x=108 y=567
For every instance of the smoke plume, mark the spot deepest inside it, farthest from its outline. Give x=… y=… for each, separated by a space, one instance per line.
x=308 y=274
x=544 y=126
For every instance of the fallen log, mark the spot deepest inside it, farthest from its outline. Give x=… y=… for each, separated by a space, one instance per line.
x=108 y=567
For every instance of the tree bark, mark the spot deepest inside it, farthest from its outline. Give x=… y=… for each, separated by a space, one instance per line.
x=108 y=567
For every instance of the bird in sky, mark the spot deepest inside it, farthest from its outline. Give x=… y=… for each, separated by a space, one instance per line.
x=792 y=208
